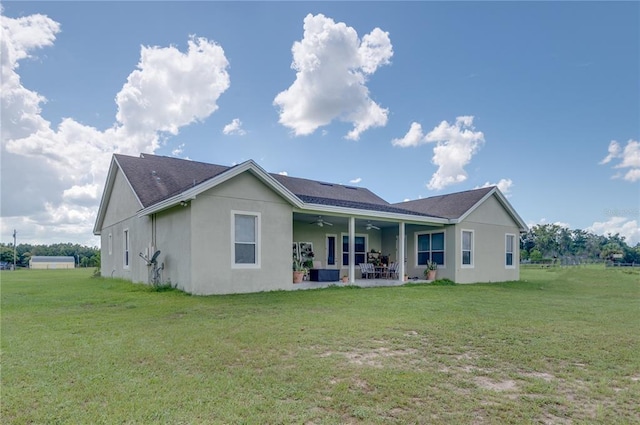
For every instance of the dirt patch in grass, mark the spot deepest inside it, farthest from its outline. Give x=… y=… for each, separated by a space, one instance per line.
x=371 y=357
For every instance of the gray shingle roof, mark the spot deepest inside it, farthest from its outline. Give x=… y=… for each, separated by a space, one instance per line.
x=321 y=191
x=359 y=205
x=155 y=178
x=451 y=206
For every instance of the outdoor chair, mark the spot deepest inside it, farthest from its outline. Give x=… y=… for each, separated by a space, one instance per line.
x=392 y=272
x=366 y=270
x=371 y=270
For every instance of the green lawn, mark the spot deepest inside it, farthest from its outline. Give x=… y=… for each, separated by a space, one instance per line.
x=561 y=346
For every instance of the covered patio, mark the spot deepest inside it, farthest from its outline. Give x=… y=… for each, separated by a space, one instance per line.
x=342 y=240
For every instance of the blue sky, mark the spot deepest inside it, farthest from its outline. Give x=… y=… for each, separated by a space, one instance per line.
x=408 y=99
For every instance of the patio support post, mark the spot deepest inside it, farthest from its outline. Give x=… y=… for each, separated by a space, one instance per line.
x=401 y=254
x=352 y=254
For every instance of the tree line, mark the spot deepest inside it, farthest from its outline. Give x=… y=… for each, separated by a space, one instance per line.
x=548 y=242
x=84 y=256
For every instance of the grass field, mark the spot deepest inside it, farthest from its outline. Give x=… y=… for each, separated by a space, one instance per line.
x=561 y=346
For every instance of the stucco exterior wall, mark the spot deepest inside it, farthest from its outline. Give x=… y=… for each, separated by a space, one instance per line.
x=490 y=223
x=122 y=204
x=112 y=265
x=120 y=214
x=172 y=236
x=211 y=244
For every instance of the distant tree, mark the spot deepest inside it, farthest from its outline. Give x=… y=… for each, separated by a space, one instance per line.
x=611 y=249
x=535 y=255
x=6 y=254
x=24 y=252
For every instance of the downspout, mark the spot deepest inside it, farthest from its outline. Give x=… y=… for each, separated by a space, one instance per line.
x=352 y=254
x=401 y=253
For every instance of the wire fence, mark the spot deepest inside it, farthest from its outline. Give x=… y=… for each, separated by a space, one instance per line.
x=574 y=262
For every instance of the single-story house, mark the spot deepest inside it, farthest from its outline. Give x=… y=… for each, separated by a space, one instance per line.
x=51 y=262
x=224 y=230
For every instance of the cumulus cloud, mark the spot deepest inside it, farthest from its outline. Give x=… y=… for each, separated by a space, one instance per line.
x=455 y=146
x=629 y=159
x=414 y=137
x=356 y=180
x=178 y=150
x=332 y=65
x=622 y=225
x=52 y=177
x=234 y=127
x=504 y=185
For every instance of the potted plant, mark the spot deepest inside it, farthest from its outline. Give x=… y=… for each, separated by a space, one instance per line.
x=345 y=278
x=430 y=271
x=298 y=270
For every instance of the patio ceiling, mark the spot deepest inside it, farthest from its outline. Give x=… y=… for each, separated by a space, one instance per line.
x=343 y=221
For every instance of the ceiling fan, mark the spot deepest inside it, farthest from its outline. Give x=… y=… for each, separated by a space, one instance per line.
x=371 y=226
x=321 y=222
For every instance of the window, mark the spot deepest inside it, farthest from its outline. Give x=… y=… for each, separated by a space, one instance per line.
x=360 y=250
x=245 y=236
x=467 y=248
x=509 y=249
x=126 y=248
x=110 y=243
x=430 y=247
x=331 y=250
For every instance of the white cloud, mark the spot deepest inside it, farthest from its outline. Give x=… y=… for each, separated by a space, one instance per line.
x=234 y=127
x=504 y=185
x=356 y=180
x=283 y=173
x=455 y=146
x=178 y=150
x=414 y=137
x=52 y=177
x=622 y=225
x=20 y=106
x=629 y=157
x=332 y=65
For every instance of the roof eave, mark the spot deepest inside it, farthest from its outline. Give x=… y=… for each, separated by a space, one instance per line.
x=422 y=219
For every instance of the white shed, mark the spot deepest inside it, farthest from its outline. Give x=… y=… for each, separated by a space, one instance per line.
x=52 y=262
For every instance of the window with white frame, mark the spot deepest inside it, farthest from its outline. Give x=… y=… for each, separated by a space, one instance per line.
x=246 y=239
x=430 y=247
x=110 y=243
x=467 y=248
x=126 y=248
x=360 y=249
x=510 y=241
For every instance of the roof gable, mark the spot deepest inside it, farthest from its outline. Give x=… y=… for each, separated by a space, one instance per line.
x=451 y=206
